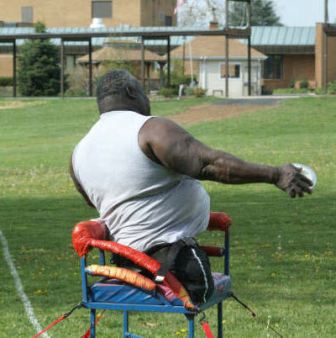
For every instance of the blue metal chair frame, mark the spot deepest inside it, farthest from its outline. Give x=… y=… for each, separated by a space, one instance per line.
x=166 y=307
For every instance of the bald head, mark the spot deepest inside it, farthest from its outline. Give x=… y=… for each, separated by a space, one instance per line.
x=119 y=90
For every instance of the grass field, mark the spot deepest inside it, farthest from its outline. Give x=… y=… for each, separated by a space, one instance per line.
x=283 y=250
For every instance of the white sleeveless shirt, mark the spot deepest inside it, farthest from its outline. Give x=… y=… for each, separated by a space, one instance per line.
x=142 y=203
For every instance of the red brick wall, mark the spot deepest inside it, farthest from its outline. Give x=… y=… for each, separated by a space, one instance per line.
x=295 y=68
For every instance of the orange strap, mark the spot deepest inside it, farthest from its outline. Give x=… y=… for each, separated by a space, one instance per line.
x=88 y=332
x=58 y=320
x=207 y=330
x=125 y=275
x=50 y=326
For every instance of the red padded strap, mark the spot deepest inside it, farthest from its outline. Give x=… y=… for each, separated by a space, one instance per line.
x=90 y=234
x=137 y=257
x=219 y=221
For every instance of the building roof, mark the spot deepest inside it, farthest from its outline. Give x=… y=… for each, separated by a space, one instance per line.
x=263 y=35
x=283 y=36
x=96 y=41
x=110 y=53
x=268 y=39
x=7 y=33
x=213 y=47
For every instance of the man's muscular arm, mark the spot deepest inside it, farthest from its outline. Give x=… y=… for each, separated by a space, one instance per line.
x=171 y=146
x=78 y=186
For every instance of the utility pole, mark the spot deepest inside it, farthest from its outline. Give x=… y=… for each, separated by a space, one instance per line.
x=325 y=44
x=227 y=55
x=326 y=11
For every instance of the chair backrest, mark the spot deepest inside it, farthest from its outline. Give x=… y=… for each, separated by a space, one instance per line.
x=89 y=234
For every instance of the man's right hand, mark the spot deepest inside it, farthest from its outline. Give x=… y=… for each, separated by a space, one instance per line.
x=293 y=182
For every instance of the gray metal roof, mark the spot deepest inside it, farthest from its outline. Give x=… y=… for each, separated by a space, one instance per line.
x=261 y=36
x=123 y=29
x=9 y=33
x=283 y=36
x=99 y=41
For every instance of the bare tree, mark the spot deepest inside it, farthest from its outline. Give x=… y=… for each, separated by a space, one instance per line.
x=198 y=13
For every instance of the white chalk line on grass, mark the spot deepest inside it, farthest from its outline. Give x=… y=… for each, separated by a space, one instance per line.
x=19 y=287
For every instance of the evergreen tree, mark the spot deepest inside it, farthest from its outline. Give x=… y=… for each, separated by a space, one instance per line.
x=262 y=14
x=39 y=70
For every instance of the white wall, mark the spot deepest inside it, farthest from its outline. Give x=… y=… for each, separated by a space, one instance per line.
x=210 y=78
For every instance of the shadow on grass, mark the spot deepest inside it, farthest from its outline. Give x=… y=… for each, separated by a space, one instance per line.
x=283 y=252
x=275 y=240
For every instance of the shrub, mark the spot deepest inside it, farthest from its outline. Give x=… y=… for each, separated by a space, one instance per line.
x=189 y=91
x=177 y=78
x=199 y=92
x=107 y=66
x=167 y=92
x=284 y=91
x=78 y=80
x=332 y=88
x=6 y=81
x=39 y=70
x=304 y=84
x=320 y=91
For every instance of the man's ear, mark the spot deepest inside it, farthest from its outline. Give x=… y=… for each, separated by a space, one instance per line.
x=131 y=92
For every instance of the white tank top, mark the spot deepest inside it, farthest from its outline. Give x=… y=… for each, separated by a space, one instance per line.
x=142 y=203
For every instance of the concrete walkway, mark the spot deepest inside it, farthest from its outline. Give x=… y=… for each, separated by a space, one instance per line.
x=259 y=100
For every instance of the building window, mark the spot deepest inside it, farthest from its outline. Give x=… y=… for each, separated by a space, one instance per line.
x=101 y=9
x=162 y=17
x=234 y=71
x=168 y=20
x=27 y=14
x=273 y=67
x=10 y=24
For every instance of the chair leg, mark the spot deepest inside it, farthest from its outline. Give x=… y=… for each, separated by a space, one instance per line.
x=191 y=326
x=92 y=323
x=125 y=325
x=220 y=320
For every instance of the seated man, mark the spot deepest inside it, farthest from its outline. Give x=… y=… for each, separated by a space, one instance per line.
x=141 y=174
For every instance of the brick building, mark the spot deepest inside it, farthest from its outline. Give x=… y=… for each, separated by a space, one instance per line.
x=79 y=13
x=325 y=54
x=293 y=54
x=64 y=14
x=297 y=54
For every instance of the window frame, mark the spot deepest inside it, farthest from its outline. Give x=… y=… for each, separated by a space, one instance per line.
x=31 y=14
x=93 y=2
x=274 y=68
x=168 y=21
x=235 y=64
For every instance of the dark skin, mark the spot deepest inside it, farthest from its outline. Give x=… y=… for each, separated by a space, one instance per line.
x=169 y=145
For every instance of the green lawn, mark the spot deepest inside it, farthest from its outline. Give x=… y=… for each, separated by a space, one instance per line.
x=283 y=250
